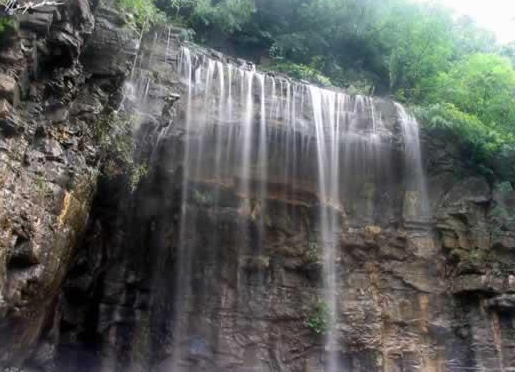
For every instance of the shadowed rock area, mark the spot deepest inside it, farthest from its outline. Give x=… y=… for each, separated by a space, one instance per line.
x=51 y=101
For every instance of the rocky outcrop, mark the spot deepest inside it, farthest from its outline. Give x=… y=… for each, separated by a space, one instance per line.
x=474 y=222
x=50 y=109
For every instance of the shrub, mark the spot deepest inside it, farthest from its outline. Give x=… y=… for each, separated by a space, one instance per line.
x=226 y=15
x=312 y=253
x=320 y=319
x=7 y=28
x=137 y=174
x=482 y=85
x=486 y=145
x=299 y=71
x=145 y=12
x=204 y=198
x=115 y=137
x=5 y=24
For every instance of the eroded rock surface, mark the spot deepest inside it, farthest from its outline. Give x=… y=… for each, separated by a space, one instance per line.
x=49 y=153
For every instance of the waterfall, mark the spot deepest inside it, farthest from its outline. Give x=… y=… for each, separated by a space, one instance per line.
x=266 y=138
x=416 y=206
x=325 y=117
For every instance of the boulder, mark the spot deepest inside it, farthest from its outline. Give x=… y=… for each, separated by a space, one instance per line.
x=9 y=89
x=38 y=22
x=107 y=49
x=9 y=124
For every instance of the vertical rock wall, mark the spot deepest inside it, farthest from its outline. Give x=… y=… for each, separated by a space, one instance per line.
x=52 y=98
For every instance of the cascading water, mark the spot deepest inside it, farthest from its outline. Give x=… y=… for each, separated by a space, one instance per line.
x=416 y=207
x=266 y=138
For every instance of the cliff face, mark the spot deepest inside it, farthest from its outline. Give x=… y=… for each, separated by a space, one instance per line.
x=52 y=94
x=202 y=270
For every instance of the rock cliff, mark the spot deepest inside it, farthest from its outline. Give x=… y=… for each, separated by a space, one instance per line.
x=98 y=277
x=52 y=96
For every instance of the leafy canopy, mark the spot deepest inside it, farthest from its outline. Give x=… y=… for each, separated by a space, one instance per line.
x=482 y=85
x=145 y=12
x=227 y=15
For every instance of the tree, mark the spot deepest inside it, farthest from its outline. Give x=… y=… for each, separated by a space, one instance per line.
x=226 y=15
x=144 y=11
x=417 y=37
x=482 y=85
x=12 y=7
x=469 y=38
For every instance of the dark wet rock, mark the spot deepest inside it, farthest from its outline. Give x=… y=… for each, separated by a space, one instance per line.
x=505 y=302
x=48 y=175
x=38 y=21
x=108 y=50
x=9 y=123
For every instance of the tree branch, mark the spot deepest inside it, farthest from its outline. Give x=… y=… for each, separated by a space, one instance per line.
x=12 y=7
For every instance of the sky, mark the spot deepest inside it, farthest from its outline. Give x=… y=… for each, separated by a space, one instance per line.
x=496 y=15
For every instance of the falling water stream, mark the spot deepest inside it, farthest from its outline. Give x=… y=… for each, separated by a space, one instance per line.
x=249 y=130
x=417 y=205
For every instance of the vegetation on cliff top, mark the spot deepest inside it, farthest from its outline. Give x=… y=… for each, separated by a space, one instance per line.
x=452 y=70
x=144 y=11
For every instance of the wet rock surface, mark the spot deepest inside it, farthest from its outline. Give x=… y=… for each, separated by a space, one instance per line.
x=48 y=171
x=433 y=295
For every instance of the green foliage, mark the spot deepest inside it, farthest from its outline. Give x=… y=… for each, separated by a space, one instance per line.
x=6 y=24
x=482 y=85
x=114 y=135
x=392 y=46
x=204 y=198
x=471 y=39
x=475 y=100
x=320 y=319
x=483 y=144
x=145 y=12
x=389 y=46
x=178 y=5
x=473 y=260
x=504 y=187
x=419 y=44
x=300 y=72
x=225 y=15
x=42 y=185
x=485 y=140
x=138 y=173
x=312 y=254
